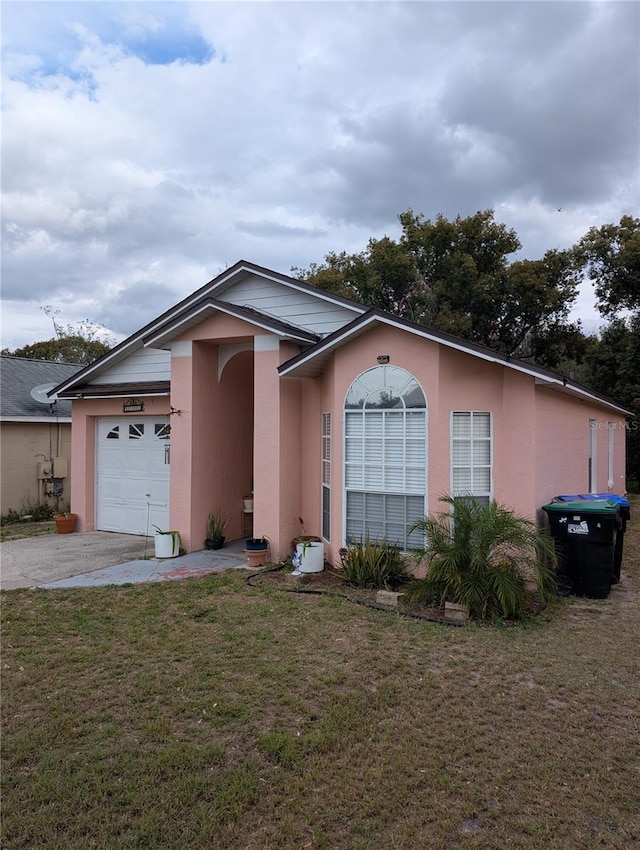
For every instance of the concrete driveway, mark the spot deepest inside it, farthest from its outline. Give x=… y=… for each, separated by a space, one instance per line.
x=33 y=561
x=92 y=558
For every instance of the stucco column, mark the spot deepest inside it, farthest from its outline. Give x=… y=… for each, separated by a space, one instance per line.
x=266 y=440
x=181 y=440
x=276 y=452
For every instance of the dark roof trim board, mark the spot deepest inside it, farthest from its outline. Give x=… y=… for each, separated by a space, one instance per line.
x=218 y=284
x=151 y=388
x=311 y=362
x=193 y=316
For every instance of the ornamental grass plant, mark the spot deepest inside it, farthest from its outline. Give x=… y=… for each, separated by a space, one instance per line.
x=485 y=557
x=373 y=563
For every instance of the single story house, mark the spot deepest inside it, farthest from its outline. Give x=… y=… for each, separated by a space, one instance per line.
x=341 y=419
x=35 y=434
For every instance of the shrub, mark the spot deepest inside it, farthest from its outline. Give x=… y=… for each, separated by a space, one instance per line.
x=483 y=556
x=29 y=512
x=373 y=564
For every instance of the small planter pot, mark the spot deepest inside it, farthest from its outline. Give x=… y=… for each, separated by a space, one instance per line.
x=65 y=523
x=167 y=544
x=255 y=544
x=304 y=538
x=216 y=543
x=248 y=505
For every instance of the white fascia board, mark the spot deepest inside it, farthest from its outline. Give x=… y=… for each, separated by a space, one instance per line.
x=540 y=379
x=377 y=319
x=131 y=394
x=571 y=389
x=38 y=420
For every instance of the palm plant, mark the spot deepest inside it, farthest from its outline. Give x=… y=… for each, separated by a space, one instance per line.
x=483 y=556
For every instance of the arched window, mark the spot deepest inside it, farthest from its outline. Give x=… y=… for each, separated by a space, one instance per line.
x=385 y=456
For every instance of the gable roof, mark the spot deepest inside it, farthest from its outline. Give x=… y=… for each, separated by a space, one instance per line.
x=18 y=376
x=189 y=311
x=194 y=315
x=311 y=362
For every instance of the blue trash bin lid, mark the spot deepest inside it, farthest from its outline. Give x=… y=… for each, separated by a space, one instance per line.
x=620 y=500
x=593 y=497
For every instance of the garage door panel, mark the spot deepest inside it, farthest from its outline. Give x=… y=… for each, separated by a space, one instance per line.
x=111 y=488
x=132 y=479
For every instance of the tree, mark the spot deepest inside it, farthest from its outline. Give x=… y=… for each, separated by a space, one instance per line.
x=614 y=370
x=611 y=257
x=455 y=276
x=78 y=344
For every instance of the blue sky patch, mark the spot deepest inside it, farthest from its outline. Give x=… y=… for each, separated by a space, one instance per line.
x=157 y=33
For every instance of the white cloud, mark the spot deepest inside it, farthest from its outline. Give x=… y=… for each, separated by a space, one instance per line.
x=147 y=146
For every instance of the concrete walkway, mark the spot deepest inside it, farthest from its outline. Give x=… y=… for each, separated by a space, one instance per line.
x=90 y=559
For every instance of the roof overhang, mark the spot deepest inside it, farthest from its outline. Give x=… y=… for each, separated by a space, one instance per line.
x=311 y=363
x=38 y=420
x=562 y=385
x=177 y=325
x=217 y=286
x=152 y=388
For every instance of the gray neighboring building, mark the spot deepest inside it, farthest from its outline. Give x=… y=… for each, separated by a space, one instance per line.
x=35 y=438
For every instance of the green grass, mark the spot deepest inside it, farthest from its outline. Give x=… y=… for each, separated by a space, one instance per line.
x=209 y=714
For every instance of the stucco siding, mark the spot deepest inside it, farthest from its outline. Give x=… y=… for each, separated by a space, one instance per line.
x=146 y=364
x=299 y=308
x=23 y=445
x=563 y=447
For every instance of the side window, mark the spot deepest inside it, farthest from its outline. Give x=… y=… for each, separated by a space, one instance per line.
x=471 y=455
x=326 y=476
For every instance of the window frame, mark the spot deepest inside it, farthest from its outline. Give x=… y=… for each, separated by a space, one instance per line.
x=385 y=466
x=325 y=475
x=488 y=495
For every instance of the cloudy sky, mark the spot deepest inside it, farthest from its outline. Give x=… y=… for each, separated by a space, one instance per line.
x=147 y=146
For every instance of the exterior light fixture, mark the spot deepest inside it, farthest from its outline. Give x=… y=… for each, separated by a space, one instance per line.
x=382 y=358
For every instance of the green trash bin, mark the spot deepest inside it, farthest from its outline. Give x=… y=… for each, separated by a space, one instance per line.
x=585 y=537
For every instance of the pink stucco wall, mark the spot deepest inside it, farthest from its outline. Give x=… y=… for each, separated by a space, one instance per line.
x=563 y=445
x=236 y=420
x=539 y=437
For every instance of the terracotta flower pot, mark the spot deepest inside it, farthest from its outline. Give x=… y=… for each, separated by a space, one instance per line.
x=65 y=523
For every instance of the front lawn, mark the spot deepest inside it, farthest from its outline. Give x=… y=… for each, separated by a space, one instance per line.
x=209 y=714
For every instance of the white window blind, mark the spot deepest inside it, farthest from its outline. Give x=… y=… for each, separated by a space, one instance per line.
x=385 y=456
x=326 y=476
x=471 y=455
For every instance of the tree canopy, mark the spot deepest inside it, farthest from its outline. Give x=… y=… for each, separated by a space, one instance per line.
x=461 y=277
x=456 y=276
x=78 y=344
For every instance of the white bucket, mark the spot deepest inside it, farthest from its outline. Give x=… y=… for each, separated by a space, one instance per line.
x=167 y=545
x=311 y=557
x=248 y=506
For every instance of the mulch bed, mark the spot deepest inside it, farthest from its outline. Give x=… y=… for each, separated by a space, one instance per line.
x=330 y=581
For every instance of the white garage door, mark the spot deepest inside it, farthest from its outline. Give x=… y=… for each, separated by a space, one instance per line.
x=132 y=474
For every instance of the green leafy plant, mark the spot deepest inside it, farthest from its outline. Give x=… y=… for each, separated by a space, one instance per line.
x=216 y=524
x=29 y=512
x=483 y=556
x=373 y=564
